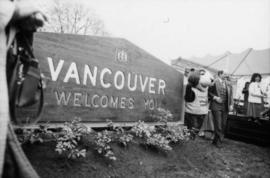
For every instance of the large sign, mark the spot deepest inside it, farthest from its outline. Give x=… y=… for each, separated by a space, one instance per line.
x=99 y=78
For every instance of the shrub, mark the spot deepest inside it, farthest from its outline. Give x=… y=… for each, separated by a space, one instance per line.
x=177 y=133
x=162 y=115
x=125 y=139
x=150 y=136
x=121 y=135
x=34 y=135
x=159 y=141
x=102 y=141
x=140 y=129
x=67 y=140
x=174 y=133
x=161 y=136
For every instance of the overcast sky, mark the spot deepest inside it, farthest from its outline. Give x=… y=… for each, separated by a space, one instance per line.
x=172 y=28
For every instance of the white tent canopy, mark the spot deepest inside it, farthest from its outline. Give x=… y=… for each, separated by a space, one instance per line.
x=244 y=63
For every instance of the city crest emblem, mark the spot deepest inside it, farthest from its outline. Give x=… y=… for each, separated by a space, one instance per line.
x=121 y=55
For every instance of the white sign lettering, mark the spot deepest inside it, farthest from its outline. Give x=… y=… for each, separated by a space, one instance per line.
x=102 y=73
x=55 y=72
x=119 y=76
x=106 y=78
x=72 y=73
x=92 y=76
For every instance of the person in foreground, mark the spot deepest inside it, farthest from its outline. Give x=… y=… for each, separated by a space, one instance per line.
x=221 y=102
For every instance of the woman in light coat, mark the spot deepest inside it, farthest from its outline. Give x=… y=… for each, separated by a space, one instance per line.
x=255 y=97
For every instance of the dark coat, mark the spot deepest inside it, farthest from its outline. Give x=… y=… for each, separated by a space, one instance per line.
x=215 y=91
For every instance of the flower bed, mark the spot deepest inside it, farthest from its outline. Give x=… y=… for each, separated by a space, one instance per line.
x=140 y=151
x=196 y=158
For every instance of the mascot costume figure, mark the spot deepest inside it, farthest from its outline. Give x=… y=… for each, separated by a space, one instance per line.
x=196 y=99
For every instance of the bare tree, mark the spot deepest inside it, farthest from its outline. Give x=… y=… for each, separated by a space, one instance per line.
x=75 y=18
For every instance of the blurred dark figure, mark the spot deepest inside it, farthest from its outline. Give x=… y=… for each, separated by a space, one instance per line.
x=245 y=92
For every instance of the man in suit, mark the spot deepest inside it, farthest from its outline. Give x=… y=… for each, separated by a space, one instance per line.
x=221 y=102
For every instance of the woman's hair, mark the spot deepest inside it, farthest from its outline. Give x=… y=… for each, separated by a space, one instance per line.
x=254 y=76
x=220 y=72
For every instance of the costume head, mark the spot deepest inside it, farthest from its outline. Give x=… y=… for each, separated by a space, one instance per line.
x=200 y=78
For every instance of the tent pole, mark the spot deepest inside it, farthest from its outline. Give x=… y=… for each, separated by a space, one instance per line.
x=217 y=60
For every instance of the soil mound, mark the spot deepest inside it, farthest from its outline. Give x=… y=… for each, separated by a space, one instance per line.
x=195 y=158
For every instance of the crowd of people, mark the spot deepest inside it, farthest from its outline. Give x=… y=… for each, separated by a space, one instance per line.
x=213 y=104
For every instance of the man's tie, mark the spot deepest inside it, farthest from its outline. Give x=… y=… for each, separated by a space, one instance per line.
x=223 y=84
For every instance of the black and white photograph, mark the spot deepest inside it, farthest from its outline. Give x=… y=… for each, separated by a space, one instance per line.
x=134 y=88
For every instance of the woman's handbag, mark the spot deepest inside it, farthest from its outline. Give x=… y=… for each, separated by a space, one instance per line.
x=24 y=76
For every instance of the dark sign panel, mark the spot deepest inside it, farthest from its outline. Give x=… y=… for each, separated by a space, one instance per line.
x=99 y=78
